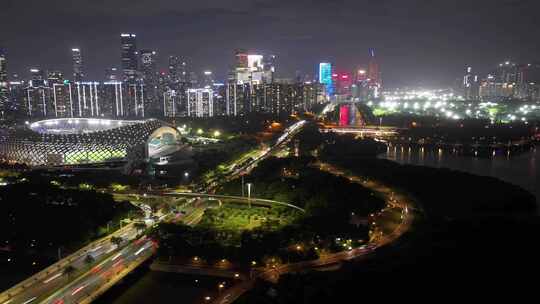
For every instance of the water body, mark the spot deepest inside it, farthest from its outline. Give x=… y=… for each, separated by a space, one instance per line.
x=522 y=169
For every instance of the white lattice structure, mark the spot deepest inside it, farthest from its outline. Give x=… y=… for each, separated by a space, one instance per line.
x=83 y=141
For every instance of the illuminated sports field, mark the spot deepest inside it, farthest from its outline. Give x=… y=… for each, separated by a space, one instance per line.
x=96 y=156
x=72 y=141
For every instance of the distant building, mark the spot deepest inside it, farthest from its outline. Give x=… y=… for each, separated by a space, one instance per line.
x=148 y=66
x=252 y=68
x=174 y=70
x=78 y=74
x=470 y=85
x=277 y=98
x=200 y=103
x=111 y=74
x=150 y=80
x=325 y=77
x=4 y=85
x=37 y=77
x=501 y=83
x=374 y=75
x=208 y=79
x=129 y=57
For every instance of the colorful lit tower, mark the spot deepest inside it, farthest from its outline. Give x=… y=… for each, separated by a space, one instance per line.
x=325 y=77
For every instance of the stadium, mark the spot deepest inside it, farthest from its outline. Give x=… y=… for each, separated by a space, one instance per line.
x=77 y=141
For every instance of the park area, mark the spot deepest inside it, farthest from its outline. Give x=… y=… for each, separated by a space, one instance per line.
x=239 y=217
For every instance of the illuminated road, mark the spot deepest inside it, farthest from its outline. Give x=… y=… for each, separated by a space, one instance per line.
x=54 y=276
x=285 y=138
x=392 y=198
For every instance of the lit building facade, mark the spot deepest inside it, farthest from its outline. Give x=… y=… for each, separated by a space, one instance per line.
x=129 y=57
x=325 y=77
x=76 y=56
x=4 y=84
x=200 y=102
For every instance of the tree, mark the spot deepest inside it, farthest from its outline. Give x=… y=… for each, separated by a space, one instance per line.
x=140 y=226
x=89 y=260
x=117 y=240
x=69 y=270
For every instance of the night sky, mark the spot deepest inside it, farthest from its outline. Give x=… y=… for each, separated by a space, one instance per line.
x=418 y=42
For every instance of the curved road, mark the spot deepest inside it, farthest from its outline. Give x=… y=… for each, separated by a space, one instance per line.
x=393 y=199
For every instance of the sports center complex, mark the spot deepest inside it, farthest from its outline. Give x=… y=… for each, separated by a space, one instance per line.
x=77 y=141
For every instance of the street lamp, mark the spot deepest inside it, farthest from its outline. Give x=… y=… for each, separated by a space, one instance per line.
x=249 y=193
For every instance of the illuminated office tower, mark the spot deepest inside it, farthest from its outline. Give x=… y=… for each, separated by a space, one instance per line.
x=129 y=57
x=148 y=66
x=78 y=74
x=150 y=80
x=325 y=77
x=374 y=73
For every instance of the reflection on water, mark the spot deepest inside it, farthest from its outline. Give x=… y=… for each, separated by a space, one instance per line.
x=522 y=169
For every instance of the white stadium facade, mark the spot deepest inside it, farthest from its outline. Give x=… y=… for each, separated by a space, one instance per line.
x=79 y=141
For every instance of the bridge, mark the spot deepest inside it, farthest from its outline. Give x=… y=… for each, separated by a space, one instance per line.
x=368 y=131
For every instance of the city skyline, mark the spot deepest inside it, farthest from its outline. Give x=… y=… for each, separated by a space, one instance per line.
x=412 y=42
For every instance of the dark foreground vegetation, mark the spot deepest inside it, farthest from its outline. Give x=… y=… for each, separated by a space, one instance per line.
x=39 y=221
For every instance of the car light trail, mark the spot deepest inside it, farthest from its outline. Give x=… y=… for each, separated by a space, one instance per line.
x=28 y=301
x=52 y=278
x=97 y=248
x=116 y=256
x=77 y=290
x=117 y=263
x=141 y=250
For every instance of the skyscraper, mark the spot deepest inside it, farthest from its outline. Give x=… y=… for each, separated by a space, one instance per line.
x=174 y=63
x=148 y=61
x=3 y=68
x=241 y=59
x=149 y=77
x=373 y=71
x=129 y=57
x=3 y=81
x=470 y=85
x=208 y=79
x=37 y=77
x=78 y=74
x=374 y=75
x=325 y=77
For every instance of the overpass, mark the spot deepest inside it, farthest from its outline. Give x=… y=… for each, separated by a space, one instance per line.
x=240 y=199
x=367 y=131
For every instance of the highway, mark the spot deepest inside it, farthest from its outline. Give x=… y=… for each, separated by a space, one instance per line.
x=245 y=168
x=54 y=276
